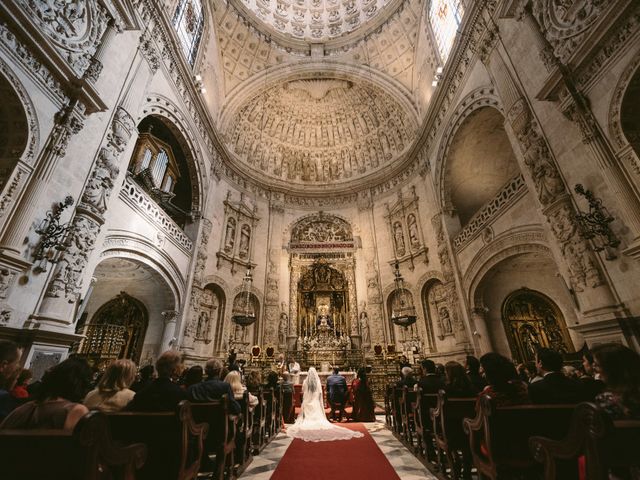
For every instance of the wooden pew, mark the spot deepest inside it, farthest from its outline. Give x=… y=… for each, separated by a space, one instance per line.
x=396 y=410
x=243 y=454
x=450 y=439
x=605 y=444
x=407 y=414
x=269 y=397
x=388 y=407
x=220 y=444
x=424 y=436
x=499 y=436
x=174 y=440
x=87 y=453
x=259 y=435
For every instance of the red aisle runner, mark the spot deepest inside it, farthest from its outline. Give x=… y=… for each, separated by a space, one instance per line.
x=355 y=459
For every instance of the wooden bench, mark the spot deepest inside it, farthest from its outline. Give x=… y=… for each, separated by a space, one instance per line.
x=174 y=440
x=388 y=407
x=270 y=398
x=605 y=443
x=407 y=414
x=87 y=453
x=424 y=448
x=396 y=411
x=499 y=436
x=244 y=453
x=259 y=435
x=220 y=444
x=451 y=442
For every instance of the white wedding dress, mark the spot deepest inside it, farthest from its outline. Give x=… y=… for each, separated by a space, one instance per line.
x=312 y=424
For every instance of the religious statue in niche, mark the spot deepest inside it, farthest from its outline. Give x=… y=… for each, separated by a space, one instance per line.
x=445 y=318
x=283 y=327
x=245 y=237
x=364 y=328
x=413 y=231
x=229 y=236
x=398 y=238
x=203 y=328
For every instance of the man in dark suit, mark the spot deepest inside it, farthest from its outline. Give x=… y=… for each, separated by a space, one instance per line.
x=554 y=387
x=591 y=385
x=430 y=382
x=162 y=394
x=407 y=380
x=336 y=393
x=213 y=388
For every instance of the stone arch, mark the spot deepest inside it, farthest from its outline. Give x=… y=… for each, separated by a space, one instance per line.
x=630 y=77
x=171 y=116
x=19 y=136
x=217 y=312
x=480 y=98
x=426 y=284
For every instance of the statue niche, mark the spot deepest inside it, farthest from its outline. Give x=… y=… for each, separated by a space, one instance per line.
x=533 y=321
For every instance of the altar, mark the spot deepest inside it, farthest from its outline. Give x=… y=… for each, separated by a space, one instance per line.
x=301 y=377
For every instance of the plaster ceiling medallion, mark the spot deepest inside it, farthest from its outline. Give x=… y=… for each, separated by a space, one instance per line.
x=317 y=21
x=320 y=132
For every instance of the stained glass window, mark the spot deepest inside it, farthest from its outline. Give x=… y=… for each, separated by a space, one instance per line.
x=189 y=22
x=445 y=17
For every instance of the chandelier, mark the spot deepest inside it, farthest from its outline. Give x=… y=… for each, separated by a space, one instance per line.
x=403 y=311
x=244 y=313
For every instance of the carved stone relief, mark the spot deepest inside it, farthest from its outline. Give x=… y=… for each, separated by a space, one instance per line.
x=404 y=222
x=240 y=222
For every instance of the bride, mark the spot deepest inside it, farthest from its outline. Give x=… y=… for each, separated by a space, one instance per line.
x=312 y=424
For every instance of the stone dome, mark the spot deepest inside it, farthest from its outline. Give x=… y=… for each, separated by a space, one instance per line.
x=320 y=132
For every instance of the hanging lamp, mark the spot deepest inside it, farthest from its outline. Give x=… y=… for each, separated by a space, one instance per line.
x=245 y=315
x=403 y=311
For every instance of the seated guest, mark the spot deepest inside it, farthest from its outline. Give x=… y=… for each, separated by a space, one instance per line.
x=193 y=375
x=569 y=371
x=20 y=391
x=619 y=369
x=403 y=362
x=503 y=384
x=113 y=393
x=532 y=372
x=554 y=387
x=238 y=389
x=9 y=370
x=59 y=403
x=286 y=385
x=363 y=405
x=407 y=379
x=145 y=377
x=253 y=381
x=472 y=365
x=272 y=380
x=430 y=382
x=457 y=382
x=163 y=393
x=590 y=382
x=213 y=388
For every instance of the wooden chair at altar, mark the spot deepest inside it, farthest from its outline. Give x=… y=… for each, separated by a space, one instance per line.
x=606 y=445
x=87 y=453
x=174 y=440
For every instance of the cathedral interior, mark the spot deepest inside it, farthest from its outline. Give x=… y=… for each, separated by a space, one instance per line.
x=339 y=181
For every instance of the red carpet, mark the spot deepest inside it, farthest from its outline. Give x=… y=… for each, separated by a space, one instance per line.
x=355 y=459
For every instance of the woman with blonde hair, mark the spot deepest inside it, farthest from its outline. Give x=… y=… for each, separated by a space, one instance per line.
x=113 y=393
x=233 y=378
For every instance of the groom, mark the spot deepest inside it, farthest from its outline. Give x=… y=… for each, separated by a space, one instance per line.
x=336 y=393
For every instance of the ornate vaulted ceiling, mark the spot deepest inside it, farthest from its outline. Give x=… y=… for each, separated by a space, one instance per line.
x=318 y=92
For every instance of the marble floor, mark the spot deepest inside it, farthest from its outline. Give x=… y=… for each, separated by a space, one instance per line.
x=405 y=464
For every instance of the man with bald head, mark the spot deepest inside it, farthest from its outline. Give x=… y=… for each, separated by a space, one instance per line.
x=213 y=388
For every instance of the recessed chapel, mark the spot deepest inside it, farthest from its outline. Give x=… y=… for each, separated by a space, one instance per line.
x=340 y=182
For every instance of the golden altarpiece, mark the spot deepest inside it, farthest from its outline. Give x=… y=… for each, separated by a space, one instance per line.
x=323 y=308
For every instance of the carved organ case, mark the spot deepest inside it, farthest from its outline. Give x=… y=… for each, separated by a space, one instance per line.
x=406 y=232
x=236 y=242
x=154 y=166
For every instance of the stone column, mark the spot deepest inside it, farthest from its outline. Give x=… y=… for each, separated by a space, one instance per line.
x=170 y=318
x=481 y=332
x=544 y=179
x=575 y=107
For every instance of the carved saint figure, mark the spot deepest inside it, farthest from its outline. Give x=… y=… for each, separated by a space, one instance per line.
x=101 y=182
x=364 y=329
x=203 y=328
x=398 y=237
x=413 y=231
x=283 y=328
x=530 y=340
x=230 y=234
x=245 y=236
x=445 y=318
